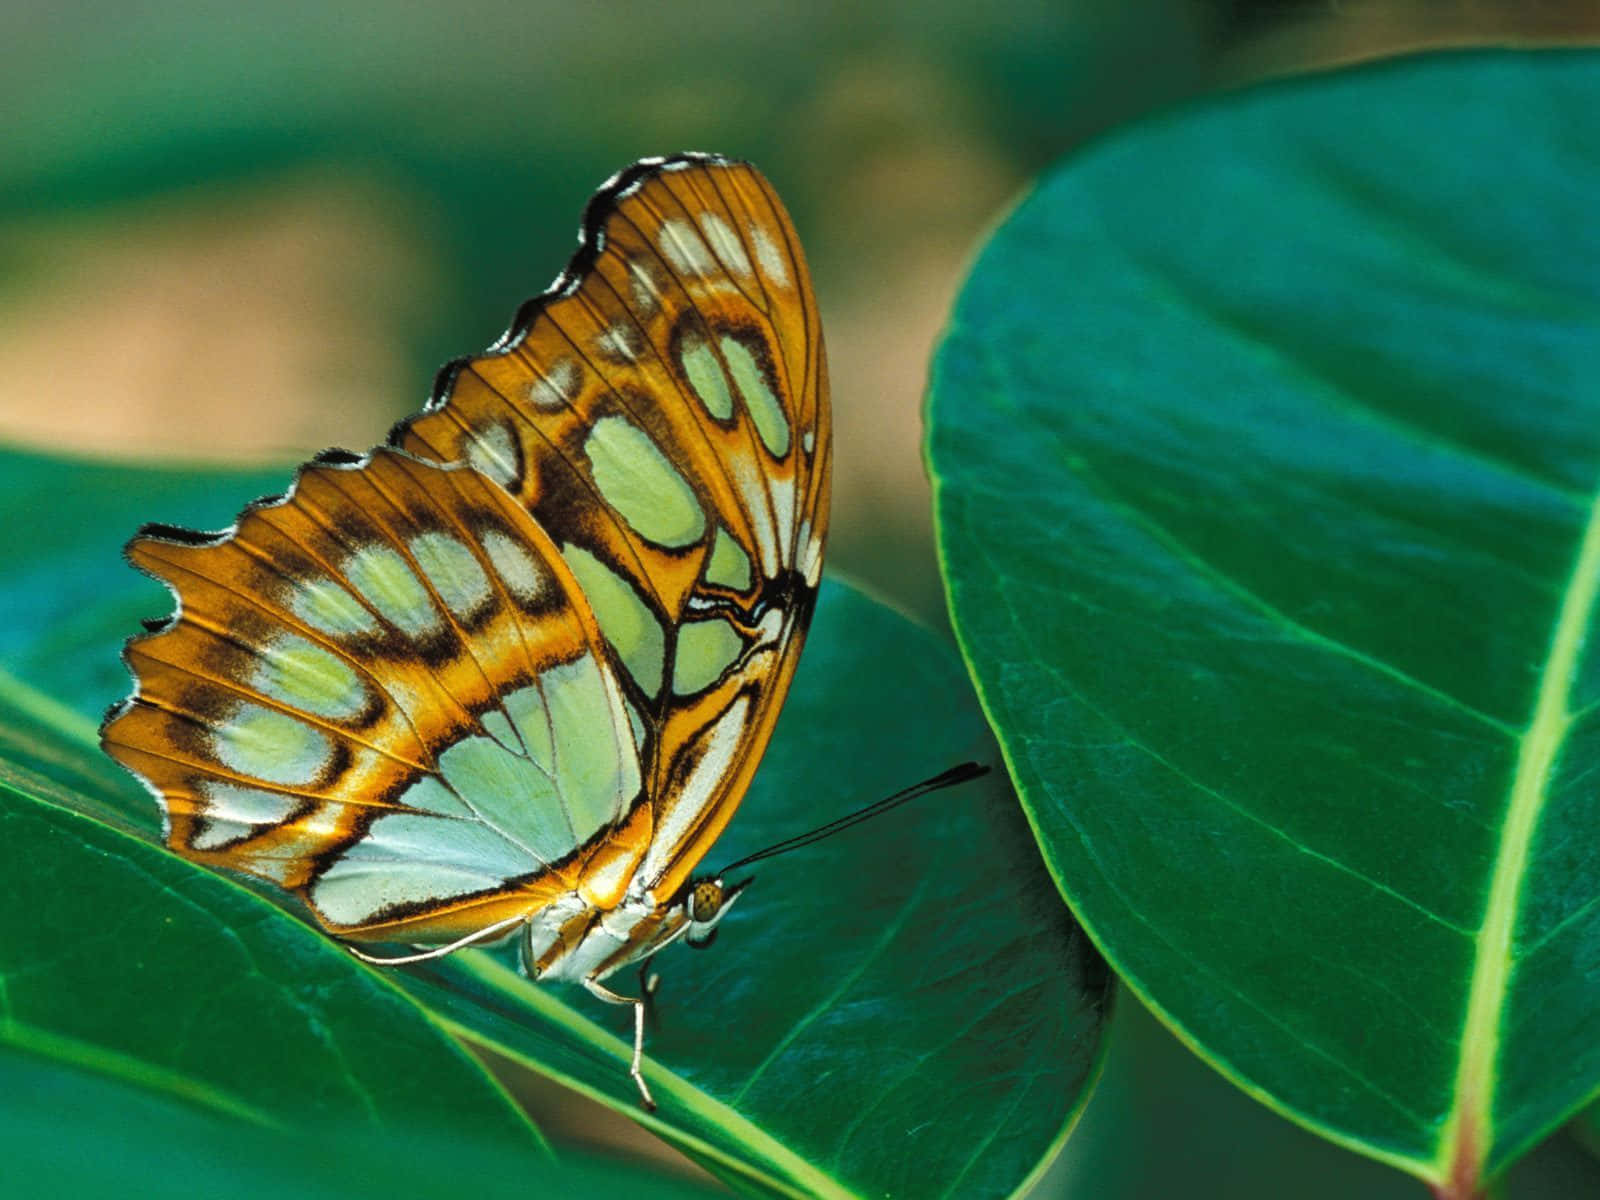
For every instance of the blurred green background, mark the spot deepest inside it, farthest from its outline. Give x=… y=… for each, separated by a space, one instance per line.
x=243 y=233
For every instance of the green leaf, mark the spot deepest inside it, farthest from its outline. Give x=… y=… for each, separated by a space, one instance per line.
x=906 y=1008
x=1267 y=448
x=120 y=958
x=151 y=1147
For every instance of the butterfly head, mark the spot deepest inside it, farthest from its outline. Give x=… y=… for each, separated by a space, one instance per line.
x=706 y=902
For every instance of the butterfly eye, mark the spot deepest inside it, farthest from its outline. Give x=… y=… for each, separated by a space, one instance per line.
x=704 y=900
x=707 y=903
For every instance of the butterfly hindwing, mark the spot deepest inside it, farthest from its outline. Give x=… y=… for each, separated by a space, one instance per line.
x=385 y=692
x=663 y=414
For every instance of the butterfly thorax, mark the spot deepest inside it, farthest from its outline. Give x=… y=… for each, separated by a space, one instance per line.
x=573 y=940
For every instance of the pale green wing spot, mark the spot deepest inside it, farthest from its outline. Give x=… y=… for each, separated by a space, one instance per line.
x=387 y=583
x=763 y=406
x=637 y=480
x=704 y=372
x=597 y=769
x=302 y=675
x=271 y=746
x=522 y=576
x=233 y=813
x=454 y=572
x=412 y=858
x=627 y=623
x=706 y=649
x=729 y=565
x=328 y=608
x=510 y=793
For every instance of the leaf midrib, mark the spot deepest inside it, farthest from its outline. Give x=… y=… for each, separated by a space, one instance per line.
x=1469 y=1132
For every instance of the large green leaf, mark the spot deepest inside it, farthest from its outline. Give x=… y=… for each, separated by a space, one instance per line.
x=1267 y=447
x=906 y=1008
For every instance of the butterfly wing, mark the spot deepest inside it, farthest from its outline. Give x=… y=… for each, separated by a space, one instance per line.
x=663 y=413
x=386 y=693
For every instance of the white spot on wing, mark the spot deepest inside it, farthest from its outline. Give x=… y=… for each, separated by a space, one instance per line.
x=493 y=451
x=684 y=249
x=558 y=387
x=753 y=491
x=781 y=488
x=773 y=263
x=454 y=572
x=726 y=244
x=646 y=292
x=523 y=577
x=620 y=342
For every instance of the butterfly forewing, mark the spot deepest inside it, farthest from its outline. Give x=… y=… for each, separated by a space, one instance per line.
x=663 y=414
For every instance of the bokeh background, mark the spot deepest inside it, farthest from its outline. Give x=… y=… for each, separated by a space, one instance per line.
x=243 y=233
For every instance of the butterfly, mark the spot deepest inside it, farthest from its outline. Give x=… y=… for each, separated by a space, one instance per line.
x=511 y=673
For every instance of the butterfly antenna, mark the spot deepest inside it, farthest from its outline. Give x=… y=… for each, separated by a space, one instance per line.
x=955 y=775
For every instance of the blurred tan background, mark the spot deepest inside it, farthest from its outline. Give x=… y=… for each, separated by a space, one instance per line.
x=244 y=233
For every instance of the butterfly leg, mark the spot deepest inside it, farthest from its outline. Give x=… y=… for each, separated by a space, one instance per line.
x=601 y=992
x=649 y=981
